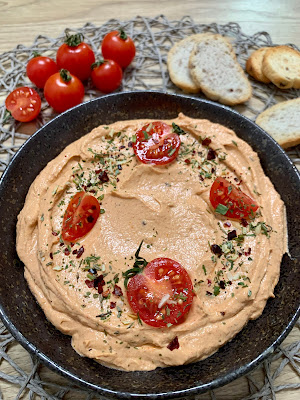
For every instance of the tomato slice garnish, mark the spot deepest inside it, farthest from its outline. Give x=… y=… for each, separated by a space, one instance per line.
x=80 y=216
x=156 y=144
x=162 y=294
x=24 y=103
x=230 y=201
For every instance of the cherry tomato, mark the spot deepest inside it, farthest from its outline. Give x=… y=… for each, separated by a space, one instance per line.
x=63 y=91
x=106 y=75
x=156 y=144
x=24 y=103
x=230 y=201
x=80 y=216
x=119 y=47
x=39 y=69
x=162 y=294
x=76 y=56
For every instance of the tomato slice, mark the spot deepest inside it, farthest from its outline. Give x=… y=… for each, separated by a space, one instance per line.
x=80 y=216
x=156 y=144
x=230 y=201
x=24 y=103
x=162 y=294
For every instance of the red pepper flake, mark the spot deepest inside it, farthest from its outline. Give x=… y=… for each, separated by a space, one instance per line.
x=222 y=284
x=117 y=291
x=244 y=222
x=231 y=235
x=227 y=224
x=208 y=282
x=211 y=155
x=66 y=251
x=51 y=256
x=103 y=177
x=247 y=253
x=222 y=313
x=216 y=249
x=74 y=251
x=187 y=161
x=208 y=293
x=112 y=305
x=206 y=142
x=80 y=252
x=106 y=293
x=201 y=177
x=98 y=280
x=54 y=233
x=100 y=289
x=89 y=283
x=174 y=344
x=129 y=144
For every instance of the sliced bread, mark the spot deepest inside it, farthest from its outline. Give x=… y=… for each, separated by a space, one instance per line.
x=215 y=70
x=281 y=64
x=178 y=63
x=282 y=122
x=254 y=65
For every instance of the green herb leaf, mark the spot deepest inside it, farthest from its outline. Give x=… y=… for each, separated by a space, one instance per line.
x=171 y=152
x=146 y=136
x=221 y=209
x=216 y=290
x=138 y=266
x=204 y=269
x=177 y=129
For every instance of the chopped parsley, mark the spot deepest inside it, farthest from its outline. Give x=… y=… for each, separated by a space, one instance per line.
x=221 y=209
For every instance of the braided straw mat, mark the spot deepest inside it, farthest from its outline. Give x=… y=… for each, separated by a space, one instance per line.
x=153 y=38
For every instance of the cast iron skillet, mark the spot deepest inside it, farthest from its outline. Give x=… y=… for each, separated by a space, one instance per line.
x=23 y=316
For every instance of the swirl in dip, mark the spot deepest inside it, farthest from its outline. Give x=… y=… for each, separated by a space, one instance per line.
x=233 y=264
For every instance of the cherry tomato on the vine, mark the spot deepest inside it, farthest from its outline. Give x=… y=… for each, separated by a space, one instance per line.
x=76 y=56
x=24 y=104
x=230 y=201
x=80 y=216
x=39 y=69
x=162 y=294
x=119 y=47
x=63 y=91
x=106 y=75
x=156 y=143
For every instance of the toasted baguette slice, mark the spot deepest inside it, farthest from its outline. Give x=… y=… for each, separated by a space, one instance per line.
x=215 y=70
x=282 y=122
x=281 y=65
x=178 y=63
x=254 y=65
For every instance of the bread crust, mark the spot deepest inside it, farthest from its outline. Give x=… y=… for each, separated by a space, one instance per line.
x=254 y=65
x=186 y=86
x=201 y=80
x=292 y=138
x=281 y=64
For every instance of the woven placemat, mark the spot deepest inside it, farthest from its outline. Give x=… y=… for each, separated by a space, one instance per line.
x=153 y=38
